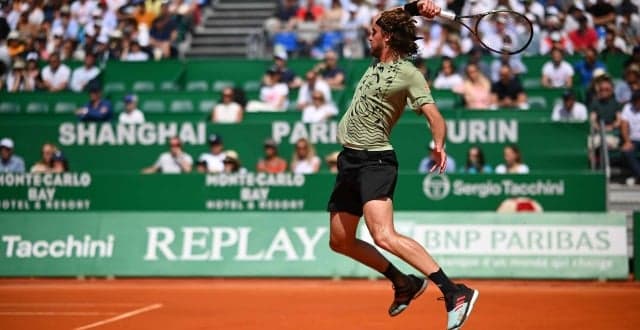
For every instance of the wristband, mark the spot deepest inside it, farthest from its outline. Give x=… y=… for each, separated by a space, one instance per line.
x=412 y=8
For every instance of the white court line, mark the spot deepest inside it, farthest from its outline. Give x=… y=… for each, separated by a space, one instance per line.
x=121 y=316
x=15 y=313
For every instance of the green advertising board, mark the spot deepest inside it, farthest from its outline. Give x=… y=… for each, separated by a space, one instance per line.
x=129 y=148
x=295 y=244
x=250 y=191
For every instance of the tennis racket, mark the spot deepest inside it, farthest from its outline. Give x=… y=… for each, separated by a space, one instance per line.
x=500 y=31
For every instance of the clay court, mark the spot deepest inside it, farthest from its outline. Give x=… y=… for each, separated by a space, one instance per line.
x=305 y=304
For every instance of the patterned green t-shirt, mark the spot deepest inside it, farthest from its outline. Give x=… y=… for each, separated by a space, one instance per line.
x=379 y=100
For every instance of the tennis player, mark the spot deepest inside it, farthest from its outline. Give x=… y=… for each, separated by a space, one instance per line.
x=367 y=165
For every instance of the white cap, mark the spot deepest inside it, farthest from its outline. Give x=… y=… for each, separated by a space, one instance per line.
x=103 y=39
x=555 y=36
x=7 y=143
x=280 y=52
x=599 y=72
x=13 y=35
x=96 y=12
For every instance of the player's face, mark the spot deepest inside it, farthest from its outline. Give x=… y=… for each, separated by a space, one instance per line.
x=376 y=39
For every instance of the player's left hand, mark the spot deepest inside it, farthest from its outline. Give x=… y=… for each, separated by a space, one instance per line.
x=440 y=158
x=428 y=8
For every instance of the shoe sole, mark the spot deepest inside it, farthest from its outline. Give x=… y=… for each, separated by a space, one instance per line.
x=476 y=293
x=423 y=288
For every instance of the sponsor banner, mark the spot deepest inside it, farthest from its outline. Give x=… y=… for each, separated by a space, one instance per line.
x=250 y=191
x=295 y=244
x=109 y=147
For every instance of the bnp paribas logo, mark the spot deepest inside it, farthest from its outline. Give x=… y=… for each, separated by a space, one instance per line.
x=436 y=187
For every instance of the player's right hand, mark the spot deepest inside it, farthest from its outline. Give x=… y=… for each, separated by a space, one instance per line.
x=428 y=8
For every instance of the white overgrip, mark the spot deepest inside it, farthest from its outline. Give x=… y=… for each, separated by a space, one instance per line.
x=447 y=14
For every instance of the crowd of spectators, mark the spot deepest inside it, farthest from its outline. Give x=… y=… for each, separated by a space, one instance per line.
x=34 y=31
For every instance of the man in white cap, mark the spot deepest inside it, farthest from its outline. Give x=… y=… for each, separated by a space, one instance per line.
x=131 y=113
x=9 y=163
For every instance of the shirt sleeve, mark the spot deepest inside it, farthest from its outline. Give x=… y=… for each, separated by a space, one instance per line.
x=419 y=92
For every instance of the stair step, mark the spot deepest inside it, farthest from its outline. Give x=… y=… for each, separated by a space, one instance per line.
x=238 y=22
x=241 y=14
x=219 y=42
x=227 y=31
x=237 y=5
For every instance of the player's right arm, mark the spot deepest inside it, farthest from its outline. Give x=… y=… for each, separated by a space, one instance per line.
x=438 y=133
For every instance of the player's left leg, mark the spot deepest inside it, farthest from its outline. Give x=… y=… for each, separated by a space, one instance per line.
x=459 y=299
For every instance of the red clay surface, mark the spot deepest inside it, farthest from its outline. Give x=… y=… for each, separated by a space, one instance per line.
x=306 y=305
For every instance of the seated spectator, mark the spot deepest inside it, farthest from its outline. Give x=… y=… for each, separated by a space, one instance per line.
x=427 y=163
x=271 y=162
x=319 y=110
x=602 y=11
x=232 y=163
x=98 y=109
x=584 y=37
x=142 y=15
x=475 y=162
x=311 y=9
x=227 y=111
x=173 y=161
x=286 y=11
x=85 y=74
x=330 y=71
x=304 y=159
x=215 y=157
x=15 y=44
x=507 y=92
x=18 y=80
x=201 y=166
x=33 y=71
x=631 y=82
x=312 y=84
x=55 y=76
x=512 y=162
x=630 y=129
x=557 y=73
x=332 y=17
x=605 y=108
x=353 y=32
x=447 y=77
x=164 y=33
x=9 y=163
x=475 y=89
x=286 y=76
x=60 y=164
x=611 y=45
x=332 y=161
x=134 y=52
x=273 y=94
x=45 y=164
x=131 y=113
x=555 y=39
x=513 y=61
x=569 y=110
x=585 y=67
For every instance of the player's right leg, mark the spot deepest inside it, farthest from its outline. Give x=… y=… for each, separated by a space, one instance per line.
x=343 y=227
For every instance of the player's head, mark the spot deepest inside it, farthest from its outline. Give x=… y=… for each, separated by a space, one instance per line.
x=396 y=30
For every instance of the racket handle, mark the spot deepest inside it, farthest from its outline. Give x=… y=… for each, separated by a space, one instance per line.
x=447 y=14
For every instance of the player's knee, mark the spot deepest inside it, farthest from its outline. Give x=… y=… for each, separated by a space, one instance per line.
x=338 y=244
x=383 y=240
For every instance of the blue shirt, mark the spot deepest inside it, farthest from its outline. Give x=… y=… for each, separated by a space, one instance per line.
x=15 y=164
x=585 y=71
x=94 y=114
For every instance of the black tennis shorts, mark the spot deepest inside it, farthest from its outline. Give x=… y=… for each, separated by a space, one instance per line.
x=363 y=176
